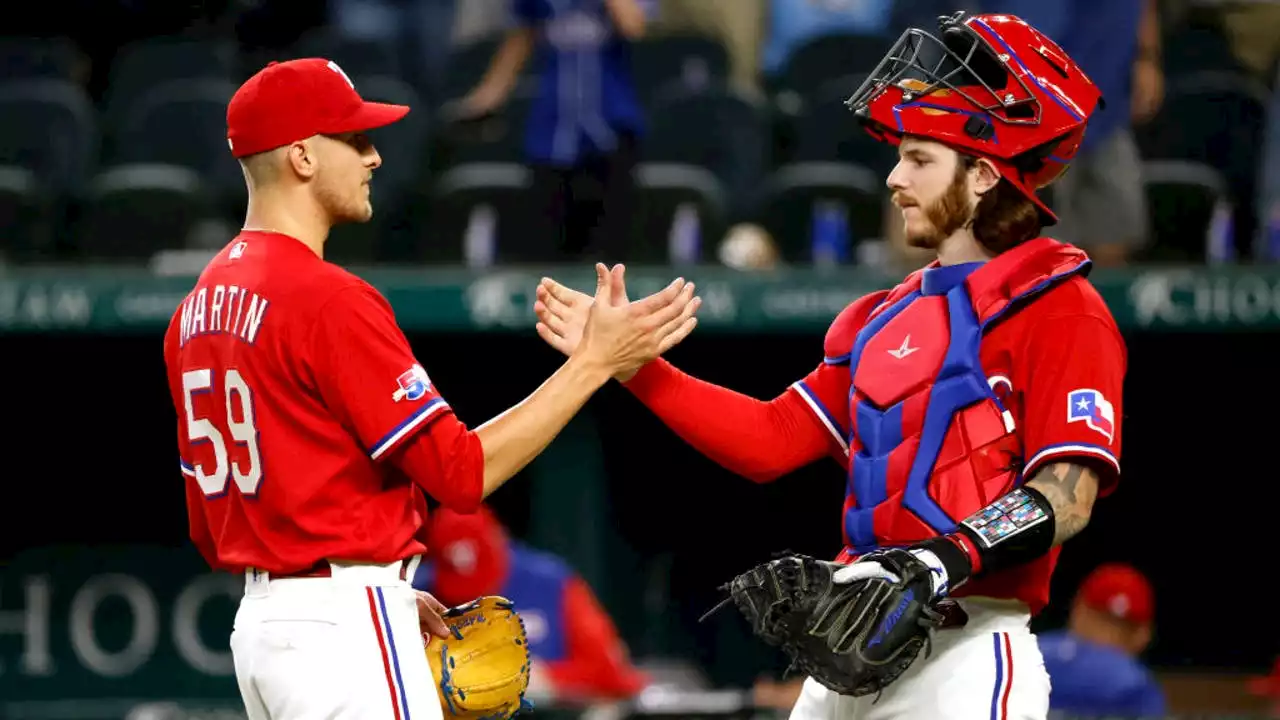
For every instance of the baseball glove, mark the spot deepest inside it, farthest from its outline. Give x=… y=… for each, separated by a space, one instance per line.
x=855 y=638
x=483 y=668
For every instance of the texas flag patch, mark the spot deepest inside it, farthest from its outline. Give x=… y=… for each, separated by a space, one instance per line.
x=1092 y=409
x=412 y=384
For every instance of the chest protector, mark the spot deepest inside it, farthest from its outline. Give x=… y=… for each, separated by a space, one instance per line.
x=930 y=441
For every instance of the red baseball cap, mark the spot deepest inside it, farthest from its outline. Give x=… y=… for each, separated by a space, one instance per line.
x=289 y=101
x=469 y=552
x=1120 y=591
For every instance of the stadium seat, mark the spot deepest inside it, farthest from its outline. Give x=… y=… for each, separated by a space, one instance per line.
x=682 y=214
x=476 y=214
x=467 y=65
x=144 y=65
x=498 y=138
x=696 y=61
x=184 y=123
x=1218 y=119
x=48 y=144
x=26 y=214
x=354 y=56
x=135 y=211
x=1192 y=46
x=826 y=57
x=720 y=130
x=826 y=131
x=1182 y=198
x=795 y=195
x=55 y=58
x=1202 y=117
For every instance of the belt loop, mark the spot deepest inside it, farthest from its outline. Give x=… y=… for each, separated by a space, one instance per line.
x=256 y=582
x=410 y=568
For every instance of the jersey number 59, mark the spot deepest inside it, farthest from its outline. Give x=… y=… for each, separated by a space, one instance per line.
x=243 y=432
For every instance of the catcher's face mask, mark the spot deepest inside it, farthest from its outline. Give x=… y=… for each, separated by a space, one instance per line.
x=986 y=85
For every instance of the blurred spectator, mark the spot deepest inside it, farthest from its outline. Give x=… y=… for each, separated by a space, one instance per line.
x=792 y=22
x=1268 y=687
x=577 y=653
x=478 y=20
x=584 y=123
x=1101 y=201
x=423 y=27
x=748 y=247
x=1253 y=31
x=738 y=25
x=1093 y=665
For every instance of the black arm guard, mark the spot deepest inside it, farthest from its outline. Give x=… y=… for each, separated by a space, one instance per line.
x=1015 y=529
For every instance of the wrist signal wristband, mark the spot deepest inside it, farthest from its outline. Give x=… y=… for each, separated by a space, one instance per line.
x=1015 y=529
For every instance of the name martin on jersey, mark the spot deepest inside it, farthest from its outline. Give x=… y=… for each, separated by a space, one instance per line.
x=222 y=309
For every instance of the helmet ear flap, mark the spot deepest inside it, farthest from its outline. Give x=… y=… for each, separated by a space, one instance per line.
x=1031 y=163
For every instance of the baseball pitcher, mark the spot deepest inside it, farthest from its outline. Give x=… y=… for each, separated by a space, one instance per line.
x=308 y=430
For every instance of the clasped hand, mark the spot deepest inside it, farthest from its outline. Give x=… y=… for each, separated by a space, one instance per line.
x=608 y=328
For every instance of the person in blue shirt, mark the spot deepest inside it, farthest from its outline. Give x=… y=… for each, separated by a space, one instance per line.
x=584 y=123
x=1093 y=665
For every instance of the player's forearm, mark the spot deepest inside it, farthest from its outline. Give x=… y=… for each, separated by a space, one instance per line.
x=758 y=440
x=628 y=18
x=1020 y=526
x=514 y=438
x=1149 y=32
x=508 y=61
x=1071 y=489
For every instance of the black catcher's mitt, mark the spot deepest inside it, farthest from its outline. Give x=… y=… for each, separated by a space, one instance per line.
x=855 y=638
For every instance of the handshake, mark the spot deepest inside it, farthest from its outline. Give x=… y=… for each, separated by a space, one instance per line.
x=609 y=331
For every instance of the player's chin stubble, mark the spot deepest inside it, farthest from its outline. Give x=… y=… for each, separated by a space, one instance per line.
x=944 y=216
x=350 y=207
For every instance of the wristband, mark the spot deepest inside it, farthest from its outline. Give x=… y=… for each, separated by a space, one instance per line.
x=1015 y=529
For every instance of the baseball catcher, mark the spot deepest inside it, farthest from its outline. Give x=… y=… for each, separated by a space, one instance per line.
x=483 y=667
x=976 y=407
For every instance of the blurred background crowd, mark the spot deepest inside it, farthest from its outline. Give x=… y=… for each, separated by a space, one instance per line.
x=657 y=132
x=642 y=130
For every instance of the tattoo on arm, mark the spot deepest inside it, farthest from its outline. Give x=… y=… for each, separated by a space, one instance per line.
x=1071 y=489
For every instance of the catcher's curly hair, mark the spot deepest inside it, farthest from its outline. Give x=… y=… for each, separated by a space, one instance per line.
x=1004 y=217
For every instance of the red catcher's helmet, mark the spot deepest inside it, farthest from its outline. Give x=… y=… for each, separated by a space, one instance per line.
x=987 y=85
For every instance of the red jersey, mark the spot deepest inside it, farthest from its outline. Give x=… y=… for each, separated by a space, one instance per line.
x=1054 y=365
x=293 y=384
